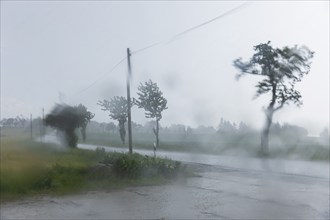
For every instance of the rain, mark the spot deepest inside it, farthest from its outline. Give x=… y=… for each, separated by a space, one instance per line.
x=220 y=108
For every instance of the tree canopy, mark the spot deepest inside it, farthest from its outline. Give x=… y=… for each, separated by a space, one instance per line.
x=281 y=69
x=118 y=110
x=67 y=118
x=152 y=101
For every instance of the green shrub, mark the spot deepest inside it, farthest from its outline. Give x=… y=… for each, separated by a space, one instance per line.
x=62 y=177
x=136 y=165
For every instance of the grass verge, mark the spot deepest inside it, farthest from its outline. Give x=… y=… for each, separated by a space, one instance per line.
x=32 y=168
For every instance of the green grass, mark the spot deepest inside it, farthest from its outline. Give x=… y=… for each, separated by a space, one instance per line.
x=32 y=168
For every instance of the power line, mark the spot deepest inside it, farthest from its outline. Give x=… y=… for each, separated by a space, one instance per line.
x=209 y=21
x=147 y=47
x=101 y=77
x=169 y=40
x=175 y=37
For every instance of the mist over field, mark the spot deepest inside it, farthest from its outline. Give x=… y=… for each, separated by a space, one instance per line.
x=164 y=110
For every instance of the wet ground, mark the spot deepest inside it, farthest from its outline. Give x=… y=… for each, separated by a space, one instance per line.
x=225 y=188
x=216 y=193
x=297 y=167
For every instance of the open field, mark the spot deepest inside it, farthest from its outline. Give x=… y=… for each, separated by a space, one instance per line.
x=30 y=168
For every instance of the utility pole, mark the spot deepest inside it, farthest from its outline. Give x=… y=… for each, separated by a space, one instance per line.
x=31 y=126
x=43 y=124
x=129 y=121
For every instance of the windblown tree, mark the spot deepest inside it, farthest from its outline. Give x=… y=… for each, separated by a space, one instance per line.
x=280 y=69
x=85 y=117
x=152 y=101
x=66 y=119
x=117 y=107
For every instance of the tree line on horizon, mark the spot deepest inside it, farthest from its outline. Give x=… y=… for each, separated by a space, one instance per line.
x=224 y=127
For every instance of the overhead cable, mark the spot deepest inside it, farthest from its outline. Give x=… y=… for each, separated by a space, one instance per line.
x=101 y=77
x=178 y=35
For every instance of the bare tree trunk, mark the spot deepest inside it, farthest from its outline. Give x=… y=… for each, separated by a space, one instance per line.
x=157 y=133
x=71 y=138
x=269 y=119
x=122 y=131
x=83 y=133
x=265 y=132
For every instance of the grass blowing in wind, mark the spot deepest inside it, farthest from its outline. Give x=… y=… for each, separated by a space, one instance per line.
x=34 y=168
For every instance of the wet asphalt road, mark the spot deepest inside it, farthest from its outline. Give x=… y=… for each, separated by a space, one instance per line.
x=216 y=193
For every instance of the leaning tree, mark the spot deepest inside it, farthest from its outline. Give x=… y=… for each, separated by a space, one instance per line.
x=152 y=101
x=117 y=107
x=66 y=119
x=280 y=69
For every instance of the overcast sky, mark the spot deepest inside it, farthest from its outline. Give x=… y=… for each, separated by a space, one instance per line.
x=57 y=47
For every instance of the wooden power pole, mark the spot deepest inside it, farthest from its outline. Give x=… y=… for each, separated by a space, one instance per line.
x=43 y=124
x=129 y=121
x=31 y=126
